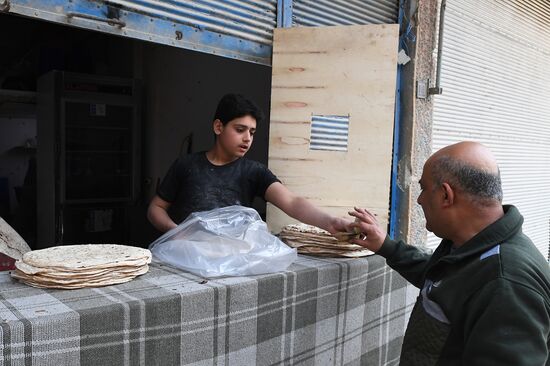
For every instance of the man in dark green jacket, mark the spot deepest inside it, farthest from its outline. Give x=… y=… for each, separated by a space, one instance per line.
x=485 y=291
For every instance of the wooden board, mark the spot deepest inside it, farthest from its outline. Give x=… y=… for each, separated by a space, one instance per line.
x=343 y=70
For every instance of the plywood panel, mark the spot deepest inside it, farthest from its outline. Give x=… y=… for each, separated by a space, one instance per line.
x=344 y=70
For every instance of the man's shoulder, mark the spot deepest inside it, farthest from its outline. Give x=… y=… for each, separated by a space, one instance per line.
x=519 y=250
x=522 y=263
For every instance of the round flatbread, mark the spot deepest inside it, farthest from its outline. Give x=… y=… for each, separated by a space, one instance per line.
x=86 y=281
x=11 y=243
x=304 y=228
x=74 y=257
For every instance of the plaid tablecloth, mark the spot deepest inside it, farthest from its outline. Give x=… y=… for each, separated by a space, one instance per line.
x=319 y=312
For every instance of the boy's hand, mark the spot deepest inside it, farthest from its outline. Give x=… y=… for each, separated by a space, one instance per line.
x=338 y=225
x=372 y=235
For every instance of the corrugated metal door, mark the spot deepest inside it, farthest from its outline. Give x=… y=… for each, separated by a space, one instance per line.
x=240 y=29
x=495 y=75
x=342 y=12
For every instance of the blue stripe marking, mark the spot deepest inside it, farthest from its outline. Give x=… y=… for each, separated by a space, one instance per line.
x=493 y=251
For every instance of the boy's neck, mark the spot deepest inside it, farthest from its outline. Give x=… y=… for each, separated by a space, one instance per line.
x=217 y=156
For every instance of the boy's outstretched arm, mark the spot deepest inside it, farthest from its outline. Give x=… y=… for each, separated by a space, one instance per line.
x=303 y=210
x=158 y=215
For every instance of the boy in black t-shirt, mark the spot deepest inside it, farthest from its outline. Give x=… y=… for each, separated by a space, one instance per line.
x=223 y=177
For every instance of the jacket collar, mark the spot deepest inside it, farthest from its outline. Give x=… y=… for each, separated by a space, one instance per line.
x=496 y=233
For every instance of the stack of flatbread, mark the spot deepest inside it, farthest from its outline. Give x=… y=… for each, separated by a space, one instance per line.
x=312 y=240
x=11 y=243
x=78 y=266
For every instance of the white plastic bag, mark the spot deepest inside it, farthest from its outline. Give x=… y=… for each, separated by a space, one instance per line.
x=228 y=241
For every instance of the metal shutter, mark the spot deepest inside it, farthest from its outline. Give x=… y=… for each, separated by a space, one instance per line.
x=495 y=75
x=241 y=29
x=344 y=12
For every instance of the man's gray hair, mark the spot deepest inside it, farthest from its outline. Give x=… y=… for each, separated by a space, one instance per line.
x=482 y=186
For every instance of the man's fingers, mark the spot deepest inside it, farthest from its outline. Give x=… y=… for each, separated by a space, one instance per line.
x=364 y=215
x=362 y=241
x=362 y=228
x=366 y=212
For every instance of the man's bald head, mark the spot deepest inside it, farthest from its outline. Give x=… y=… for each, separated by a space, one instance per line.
x=470 y=167
x=471 y=153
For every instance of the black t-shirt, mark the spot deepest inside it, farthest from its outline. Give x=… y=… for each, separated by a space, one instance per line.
x=194 y=184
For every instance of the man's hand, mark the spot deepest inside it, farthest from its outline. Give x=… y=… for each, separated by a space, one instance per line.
x=372 y=235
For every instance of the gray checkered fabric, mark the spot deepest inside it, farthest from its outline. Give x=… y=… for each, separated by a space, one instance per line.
x=319 y=312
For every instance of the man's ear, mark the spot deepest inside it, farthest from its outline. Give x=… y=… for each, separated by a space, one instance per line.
x=448 y=194
x=217 y=125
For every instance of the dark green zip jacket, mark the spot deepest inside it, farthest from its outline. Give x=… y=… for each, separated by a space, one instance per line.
x=485 y=303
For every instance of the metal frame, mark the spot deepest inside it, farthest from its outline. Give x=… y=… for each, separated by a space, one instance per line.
x=111 y=17
x=284 y=13
x=395 y=195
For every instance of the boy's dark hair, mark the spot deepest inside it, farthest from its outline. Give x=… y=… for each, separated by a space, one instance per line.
x=233 y=106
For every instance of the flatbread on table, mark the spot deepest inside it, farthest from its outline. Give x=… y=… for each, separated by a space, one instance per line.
x=111 y=275
x=337 y=246
x=65 y=276
x=56 y=285
x=312 y=240
x=78 y=266
x=87 y=256
x=314 y=250
x=11 y=243
x=31 y=270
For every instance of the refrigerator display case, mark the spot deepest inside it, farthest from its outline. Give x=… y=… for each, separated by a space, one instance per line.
x=87 y=157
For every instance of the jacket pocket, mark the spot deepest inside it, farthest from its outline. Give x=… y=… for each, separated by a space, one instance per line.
x=425 y=335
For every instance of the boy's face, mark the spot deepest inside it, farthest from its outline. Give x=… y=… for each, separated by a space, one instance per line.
x=237 y=135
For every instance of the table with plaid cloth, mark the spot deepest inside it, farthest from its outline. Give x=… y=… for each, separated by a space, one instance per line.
x=322 y=311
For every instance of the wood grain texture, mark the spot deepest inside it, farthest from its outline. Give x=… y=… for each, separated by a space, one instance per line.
x=343 y=70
